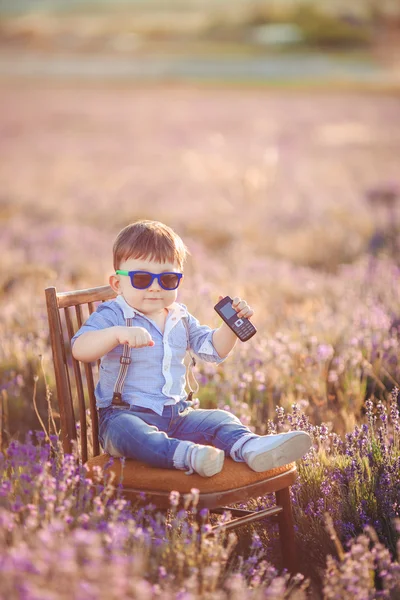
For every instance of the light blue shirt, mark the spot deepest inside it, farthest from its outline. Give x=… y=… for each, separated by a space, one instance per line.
x=156 y=375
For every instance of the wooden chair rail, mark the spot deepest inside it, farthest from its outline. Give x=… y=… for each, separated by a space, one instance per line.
x=78 y=297
x=249 y=518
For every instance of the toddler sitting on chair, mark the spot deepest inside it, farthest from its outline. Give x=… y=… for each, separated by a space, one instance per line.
x=142 y=337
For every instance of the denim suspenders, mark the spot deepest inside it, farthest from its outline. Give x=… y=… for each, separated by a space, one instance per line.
x=126 y=360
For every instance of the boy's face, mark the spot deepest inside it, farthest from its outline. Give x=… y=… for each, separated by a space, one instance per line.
x=153 y=300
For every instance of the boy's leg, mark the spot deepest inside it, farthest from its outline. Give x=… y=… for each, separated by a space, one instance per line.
x=225 y=431
x=122 y=433
x=138 y=433
x=220 y=428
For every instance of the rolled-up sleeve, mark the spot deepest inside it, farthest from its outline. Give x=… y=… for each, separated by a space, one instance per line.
x=104 y=317
x=200 y=340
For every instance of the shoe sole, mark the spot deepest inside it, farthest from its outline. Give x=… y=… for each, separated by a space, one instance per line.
x=213 y=463
x=289 y=451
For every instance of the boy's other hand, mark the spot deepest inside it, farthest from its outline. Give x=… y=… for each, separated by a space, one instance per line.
x=135 y=337
x=242 y=308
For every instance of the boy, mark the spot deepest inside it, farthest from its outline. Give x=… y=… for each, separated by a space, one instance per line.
x=142 y=337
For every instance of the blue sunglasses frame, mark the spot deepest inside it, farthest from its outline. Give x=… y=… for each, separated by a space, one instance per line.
x=153 y=276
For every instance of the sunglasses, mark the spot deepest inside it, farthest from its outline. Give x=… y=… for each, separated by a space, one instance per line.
x=142 y=279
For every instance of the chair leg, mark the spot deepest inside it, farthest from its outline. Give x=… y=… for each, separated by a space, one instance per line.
x=286 y=531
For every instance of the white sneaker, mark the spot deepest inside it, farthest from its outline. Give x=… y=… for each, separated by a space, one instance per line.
x=269 y=451
x=205 y=460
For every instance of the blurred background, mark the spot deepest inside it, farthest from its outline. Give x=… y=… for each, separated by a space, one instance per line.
x=221 y=40
x=266 y=133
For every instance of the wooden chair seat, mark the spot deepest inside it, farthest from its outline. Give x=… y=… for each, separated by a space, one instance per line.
x=75 y=383
x=235 y=483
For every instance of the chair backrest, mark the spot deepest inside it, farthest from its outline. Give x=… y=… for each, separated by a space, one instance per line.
x=67 y=311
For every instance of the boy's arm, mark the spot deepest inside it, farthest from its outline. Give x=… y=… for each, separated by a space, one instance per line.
x=215 y=345
x=92 y=345
x=224 y=340
x=103 y=331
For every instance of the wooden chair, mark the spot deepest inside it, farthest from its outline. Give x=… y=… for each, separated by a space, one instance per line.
x=67 y=311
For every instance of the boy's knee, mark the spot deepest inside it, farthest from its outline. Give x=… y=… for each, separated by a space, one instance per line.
x=225 y=417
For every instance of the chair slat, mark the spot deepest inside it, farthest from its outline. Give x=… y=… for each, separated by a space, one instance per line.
x=90 y=387
x=68 y=429
x=93 y=413
x=79 y=389
x=92 y=309
x=63 y=345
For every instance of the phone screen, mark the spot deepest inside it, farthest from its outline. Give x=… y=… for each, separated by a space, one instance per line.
x=228 y=311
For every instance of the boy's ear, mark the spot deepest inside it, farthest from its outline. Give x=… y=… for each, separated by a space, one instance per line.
x=115 y=283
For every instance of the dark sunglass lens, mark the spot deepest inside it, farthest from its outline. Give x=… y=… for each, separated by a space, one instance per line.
x=141 y=280
x=170 y=281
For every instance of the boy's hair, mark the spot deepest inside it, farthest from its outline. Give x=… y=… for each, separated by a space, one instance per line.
x=150 y=240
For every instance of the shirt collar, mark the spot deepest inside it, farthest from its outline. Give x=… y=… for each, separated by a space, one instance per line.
x=176 y=309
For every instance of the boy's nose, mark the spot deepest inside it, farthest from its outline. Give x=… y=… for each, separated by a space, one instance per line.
x=155 y=285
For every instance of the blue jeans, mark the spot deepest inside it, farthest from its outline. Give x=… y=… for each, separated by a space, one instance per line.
x=142 y=434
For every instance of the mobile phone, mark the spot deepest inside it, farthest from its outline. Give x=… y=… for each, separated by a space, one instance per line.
x=243 y=328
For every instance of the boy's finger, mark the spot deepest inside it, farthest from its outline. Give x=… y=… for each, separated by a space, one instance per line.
x=236 y=301
x=246 y=313
x=151 y=343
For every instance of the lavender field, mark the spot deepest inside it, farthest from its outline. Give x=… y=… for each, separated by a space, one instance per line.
x=288 y=199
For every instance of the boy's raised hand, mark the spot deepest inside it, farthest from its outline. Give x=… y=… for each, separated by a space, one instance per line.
x=135 y=337
x=242 y=308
